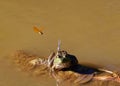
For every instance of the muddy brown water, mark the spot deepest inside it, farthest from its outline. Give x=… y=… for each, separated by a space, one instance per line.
x=89 y=29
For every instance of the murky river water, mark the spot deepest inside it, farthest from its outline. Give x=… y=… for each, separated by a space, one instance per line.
x=89 y=29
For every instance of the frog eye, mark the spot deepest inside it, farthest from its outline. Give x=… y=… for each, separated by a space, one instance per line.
x=64 y=53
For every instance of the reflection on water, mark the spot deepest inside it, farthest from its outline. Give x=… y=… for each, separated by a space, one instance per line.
x=88 y=29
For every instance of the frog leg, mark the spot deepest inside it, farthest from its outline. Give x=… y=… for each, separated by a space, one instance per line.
x=51 y=59
x=107 y=78
x=114 y=76
x=50 y=62
x=37 y=61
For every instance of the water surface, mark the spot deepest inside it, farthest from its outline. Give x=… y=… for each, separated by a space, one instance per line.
x=89 y=29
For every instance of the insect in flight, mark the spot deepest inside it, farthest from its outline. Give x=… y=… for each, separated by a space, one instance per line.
x=39 y=31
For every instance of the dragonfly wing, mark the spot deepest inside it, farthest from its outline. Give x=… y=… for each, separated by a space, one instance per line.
x=39 y=31
x=36 y=29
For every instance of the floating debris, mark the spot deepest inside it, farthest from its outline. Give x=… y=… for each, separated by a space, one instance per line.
x=73 y=75
x=23 y=60
x=64 y=68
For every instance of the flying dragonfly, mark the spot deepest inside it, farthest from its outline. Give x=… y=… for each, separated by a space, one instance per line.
x=39 y=31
